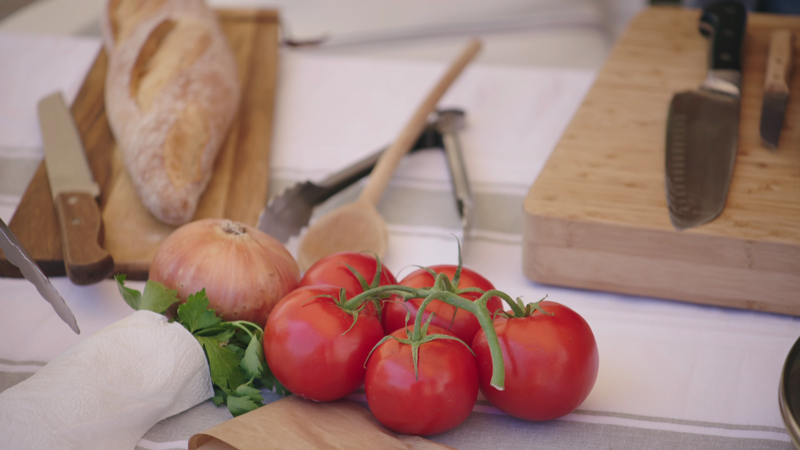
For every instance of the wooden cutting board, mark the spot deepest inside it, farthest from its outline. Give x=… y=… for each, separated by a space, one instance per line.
x=237 y=189
x=597 y=218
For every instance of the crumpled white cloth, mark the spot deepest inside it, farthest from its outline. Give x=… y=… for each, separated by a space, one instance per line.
x=109 y=389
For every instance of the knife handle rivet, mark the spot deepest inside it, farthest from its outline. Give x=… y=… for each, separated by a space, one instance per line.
x=76 y=221
x=725 y=56
x=72 y=200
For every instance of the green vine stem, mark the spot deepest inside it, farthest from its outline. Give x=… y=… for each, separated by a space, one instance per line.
x=444 y=291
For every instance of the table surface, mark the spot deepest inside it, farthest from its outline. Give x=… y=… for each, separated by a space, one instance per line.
x=672 y=375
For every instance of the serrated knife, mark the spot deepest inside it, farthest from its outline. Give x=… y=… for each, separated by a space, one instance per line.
x=18 y=256
x=74 y=191
x=776 y=86
x=703 y=125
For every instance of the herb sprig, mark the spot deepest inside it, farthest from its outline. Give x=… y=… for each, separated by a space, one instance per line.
x=234 y=350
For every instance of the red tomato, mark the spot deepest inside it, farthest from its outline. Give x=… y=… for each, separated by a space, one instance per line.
x=306 y=349
x=440 y=400
x=465 y=324
x=333 y=270
x=551 y=363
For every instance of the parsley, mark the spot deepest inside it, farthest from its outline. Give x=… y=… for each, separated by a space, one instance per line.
x=234 y=350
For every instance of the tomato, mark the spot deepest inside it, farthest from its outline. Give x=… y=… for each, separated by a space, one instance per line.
x=438 y=401
x=551 y=363
x=465 y=324
x=307 y=349
x=333 y=270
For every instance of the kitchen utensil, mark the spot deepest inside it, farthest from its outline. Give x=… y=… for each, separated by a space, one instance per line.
x=237 y=190
x=358 y=226
x=290 y=210
x=450 y=122
x=702 y=126
x=789 y=393
x=74 y=193
x=776 y=86
x=18 y=256
x=595 y=216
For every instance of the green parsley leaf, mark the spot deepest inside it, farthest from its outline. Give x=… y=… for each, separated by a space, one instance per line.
x=131 y=296
x=250 y=392
x=195 y=315
x=156 y=297
x=223 y=364
x=223 y=336
x=240 y=405
x=219 y=396
x=252 y=361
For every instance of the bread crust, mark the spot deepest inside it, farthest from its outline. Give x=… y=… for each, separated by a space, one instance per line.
x=172 y=91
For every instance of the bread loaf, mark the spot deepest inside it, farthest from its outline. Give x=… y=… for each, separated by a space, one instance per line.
x=172 y=91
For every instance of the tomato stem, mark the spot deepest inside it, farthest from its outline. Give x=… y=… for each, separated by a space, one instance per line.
x=443 y=290
x=479 y=309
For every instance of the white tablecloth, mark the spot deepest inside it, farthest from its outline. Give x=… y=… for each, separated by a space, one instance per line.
x=672 y=375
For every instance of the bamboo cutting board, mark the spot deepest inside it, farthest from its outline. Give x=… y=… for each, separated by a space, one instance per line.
x=597 y=217
x=237 y=189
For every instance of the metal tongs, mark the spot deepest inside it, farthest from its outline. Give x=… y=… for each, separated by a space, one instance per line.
x=287 y=213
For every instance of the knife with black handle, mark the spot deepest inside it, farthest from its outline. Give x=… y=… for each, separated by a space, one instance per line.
x=703 y=125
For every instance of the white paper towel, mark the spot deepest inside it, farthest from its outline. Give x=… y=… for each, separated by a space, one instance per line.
x=108 y=390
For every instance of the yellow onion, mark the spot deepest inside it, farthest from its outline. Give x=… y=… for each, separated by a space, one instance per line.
x=244 y=271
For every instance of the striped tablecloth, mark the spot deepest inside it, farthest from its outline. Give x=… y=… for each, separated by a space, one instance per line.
x=672 y=375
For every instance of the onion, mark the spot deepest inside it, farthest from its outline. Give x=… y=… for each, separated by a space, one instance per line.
x=244 y=271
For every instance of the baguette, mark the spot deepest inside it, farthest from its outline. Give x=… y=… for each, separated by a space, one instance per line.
x=172 y=91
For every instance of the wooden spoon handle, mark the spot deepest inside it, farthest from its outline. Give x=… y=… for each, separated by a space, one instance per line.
x=382 y=173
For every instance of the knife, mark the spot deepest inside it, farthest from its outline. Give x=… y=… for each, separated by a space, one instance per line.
x=776 y=86
x=74 y=192
x=702 y=125
x=18 y=256
x=289 y=211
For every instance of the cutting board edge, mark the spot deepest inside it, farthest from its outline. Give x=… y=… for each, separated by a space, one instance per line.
x=750 y=282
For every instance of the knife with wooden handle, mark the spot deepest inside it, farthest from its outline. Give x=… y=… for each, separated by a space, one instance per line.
x=776 y=86
x=74 y=192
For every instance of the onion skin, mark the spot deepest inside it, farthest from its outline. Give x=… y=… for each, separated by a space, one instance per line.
x=244 y=271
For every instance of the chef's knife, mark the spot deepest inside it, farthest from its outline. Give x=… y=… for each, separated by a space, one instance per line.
x=289 y=211
x=18 y=256
x=776 y=86
x=702 y=126
x=74 y=192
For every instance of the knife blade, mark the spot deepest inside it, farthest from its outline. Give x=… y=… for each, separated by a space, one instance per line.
x=776 y=86
x=18 y=256
x=74 y=192
x=290 y=210
x=702 y=125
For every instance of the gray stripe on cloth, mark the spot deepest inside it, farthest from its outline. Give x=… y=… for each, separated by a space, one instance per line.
x=726 y=426
x=10 y=362
x=694 y=423
x=16 y=174
x=480 y=431
x=412 y=206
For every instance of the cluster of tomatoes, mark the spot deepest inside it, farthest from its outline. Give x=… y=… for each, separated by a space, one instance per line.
x=421 y=375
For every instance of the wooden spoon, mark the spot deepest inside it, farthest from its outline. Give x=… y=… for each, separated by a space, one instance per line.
x=358 y=226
